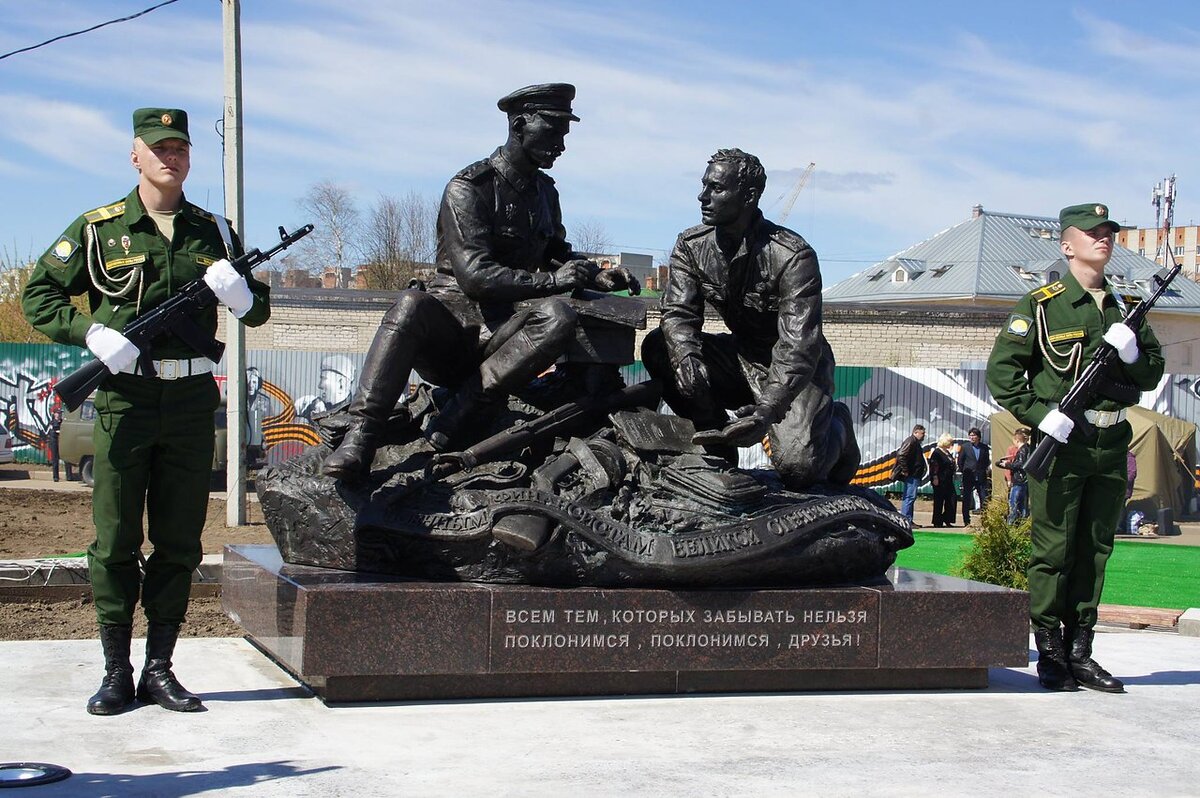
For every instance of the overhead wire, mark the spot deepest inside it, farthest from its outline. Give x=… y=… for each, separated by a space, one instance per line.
x=88 y=30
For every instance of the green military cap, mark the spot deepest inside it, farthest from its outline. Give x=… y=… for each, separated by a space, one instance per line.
x=152 y=125
x=1088 y=216
x=552 y=99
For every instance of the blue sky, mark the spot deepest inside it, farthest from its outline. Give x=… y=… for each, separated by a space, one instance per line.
x=913 y=112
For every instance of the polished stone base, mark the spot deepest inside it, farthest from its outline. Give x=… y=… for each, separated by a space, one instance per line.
x=363 y=637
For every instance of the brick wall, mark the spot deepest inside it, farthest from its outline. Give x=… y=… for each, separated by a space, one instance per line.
x=928 y=337
x=860 y=335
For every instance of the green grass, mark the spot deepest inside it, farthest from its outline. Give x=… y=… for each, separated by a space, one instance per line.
x=1138 y=574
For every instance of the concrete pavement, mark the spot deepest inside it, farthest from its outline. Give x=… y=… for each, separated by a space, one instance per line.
x=263 y=735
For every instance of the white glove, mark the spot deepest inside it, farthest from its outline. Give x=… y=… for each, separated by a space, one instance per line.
x=230 y=287
x=1057 y=425
x=1124 y=340
x=111 y=347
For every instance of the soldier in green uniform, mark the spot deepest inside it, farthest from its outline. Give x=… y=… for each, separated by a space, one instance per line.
x=153 y=435
x=1048 y=340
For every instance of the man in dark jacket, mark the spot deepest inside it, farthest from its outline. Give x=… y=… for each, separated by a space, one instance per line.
x=910 y=469
x=974 y=461
x=774 y=367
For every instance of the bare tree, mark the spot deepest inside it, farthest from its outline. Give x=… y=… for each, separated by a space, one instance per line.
x=14 y=274
x=591 y=237
x=334 y=241
x=400 y=237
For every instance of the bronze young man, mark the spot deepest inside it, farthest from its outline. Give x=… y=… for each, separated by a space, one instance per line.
x=1048 y=340
x=500 y=235
x=153 y=435
x=775 y=366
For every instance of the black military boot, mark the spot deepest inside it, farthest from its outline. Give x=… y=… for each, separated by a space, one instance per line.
x=1087 y=671
x=380 y=385
x=116 y=691
x=1053 y=671
x=158 y=685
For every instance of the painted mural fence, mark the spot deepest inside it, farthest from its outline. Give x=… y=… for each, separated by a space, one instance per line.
x=285 y=389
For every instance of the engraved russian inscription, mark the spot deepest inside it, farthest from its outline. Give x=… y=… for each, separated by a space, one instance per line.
x=659 y=630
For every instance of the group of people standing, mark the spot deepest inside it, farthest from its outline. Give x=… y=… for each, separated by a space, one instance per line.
x=972 y=460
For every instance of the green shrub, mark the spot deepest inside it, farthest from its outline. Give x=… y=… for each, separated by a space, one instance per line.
x=999 y=553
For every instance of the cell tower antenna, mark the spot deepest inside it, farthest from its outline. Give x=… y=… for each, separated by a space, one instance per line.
x=1163 y=200
x=1162 y=197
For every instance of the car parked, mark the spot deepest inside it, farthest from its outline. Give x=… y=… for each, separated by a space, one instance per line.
x=77 y=449
x=6 y=446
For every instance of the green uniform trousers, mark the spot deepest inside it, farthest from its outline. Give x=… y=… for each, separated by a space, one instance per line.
x=1075 y=512
x=154 y=453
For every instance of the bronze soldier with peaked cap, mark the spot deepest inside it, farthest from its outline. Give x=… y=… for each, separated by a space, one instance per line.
x=500 y=234
x=1047 y=341
x=153 y=435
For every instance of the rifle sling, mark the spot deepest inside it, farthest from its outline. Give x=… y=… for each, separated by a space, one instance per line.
x=1117 y=390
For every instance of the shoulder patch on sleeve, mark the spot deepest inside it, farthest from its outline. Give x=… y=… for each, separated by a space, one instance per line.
x=1019 y=325
x=65 y=248
x=1048 y=291
x=696 y=232
x=476 y=170
x=106 y=212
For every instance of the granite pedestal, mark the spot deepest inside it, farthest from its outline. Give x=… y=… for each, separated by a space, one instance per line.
x=363 y=637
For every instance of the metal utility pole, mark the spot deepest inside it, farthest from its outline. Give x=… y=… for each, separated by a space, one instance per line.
x=235 y=351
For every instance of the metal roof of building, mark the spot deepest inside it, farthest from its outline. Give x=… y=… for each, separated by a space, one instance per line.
x=994 y=256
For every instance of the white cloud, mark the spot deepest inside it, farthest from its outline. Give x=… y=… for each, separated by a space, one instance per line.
x=64 y=132
x=388 y=97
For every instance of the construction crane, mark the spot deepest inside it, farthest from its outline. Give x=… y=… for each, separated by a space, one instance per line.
x=786 y=208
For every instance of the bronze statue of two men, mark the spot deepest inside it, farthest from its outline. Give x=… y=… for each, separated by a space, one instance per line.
x=497 y=314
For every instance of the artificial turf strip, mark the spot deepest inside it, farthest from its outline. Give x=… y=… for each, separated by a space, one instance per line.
x=1139 y=574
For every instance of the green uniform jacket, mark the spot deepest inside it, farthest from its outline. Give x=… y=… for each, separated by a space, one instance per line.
x=123 y=239
x=1021 y=378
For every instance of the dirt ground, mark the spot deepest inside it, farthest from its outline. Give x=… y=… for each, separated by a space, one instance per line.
x=42 y=523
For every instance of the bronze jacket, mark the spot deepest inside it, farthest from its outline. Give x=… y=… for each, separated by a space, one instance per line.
x=769 y=295
x=498 y=231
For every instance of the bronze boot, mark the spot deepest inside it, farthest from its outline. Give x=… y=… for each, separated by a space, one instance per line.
x=158 y=684
x=353 y=457
x=465 y=416
x=1052 y=669
x=116 y=691
x=380 y=385
x=1087 y=671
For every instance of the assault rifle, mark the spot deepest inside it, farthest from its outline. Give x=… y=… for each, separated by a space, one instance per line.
x=174 y=316
x=1090 y=382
